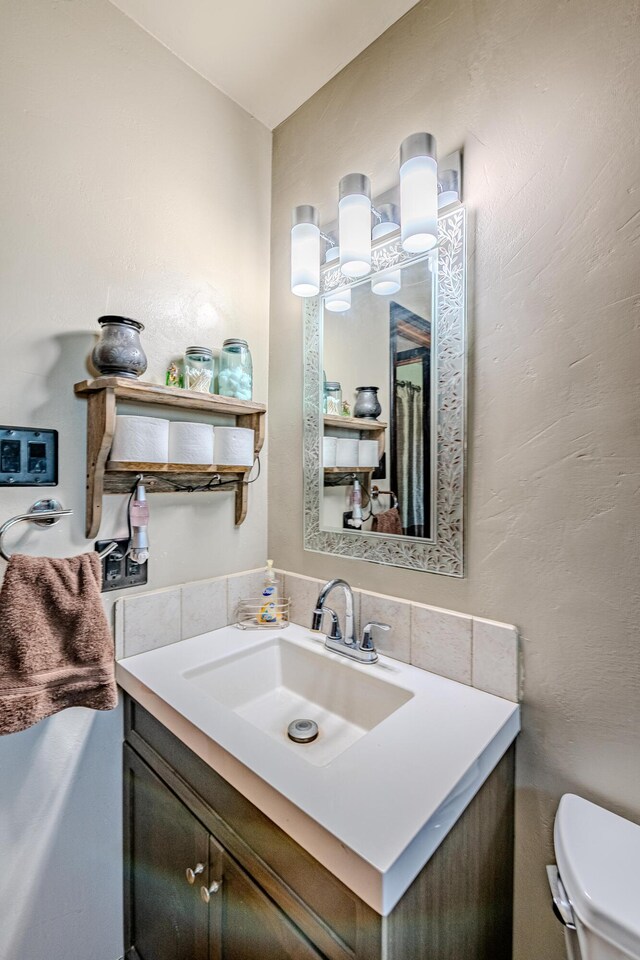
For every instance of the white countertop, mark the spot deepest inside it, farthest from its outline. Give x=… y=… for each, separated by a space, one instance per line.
x=376 y=813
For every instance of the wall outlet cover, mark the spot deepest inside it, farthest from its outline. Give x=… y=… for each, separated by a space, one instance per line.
x=119 y=571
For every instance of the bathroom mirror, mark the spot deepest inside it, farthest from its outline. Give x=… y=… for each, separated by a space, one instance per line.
x=405 y=462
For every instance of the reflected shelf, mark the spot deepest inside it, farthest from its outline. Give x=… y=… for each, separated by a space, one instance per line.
x=367 y=470
x=353 y=423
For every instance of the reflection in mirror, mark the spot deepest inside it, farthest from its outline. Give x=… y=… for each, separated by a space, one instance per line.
x=387 y=486
x=380 y=457
x=410 y=399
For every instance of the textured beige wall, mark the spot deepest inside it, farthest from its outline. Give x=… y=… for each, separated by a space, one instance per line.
x=544 y=99
x=128 y=184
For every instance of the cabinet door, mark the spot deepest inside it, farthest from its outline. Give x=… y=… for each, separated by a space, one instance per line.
x=244 y=923
x=166 y=917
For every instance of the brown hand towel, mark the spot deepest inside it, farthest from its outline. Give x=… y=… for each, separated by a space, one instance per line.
x=56 y=648
x=387 y=522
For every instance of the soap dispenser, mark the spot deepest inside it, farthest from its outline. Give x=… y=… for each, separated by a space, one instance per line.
x=269 y=599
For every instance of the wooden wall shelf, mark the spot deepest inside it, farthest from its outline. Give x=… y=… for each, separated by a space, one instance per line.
x=349 y=469
x=369 y=429
x=365 y=474
x=127 y=466
x=354 y=423
x=104 y=393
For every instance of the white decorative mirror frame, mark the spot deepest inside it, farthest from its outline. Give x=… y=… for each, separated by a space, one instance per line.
x=443 y=552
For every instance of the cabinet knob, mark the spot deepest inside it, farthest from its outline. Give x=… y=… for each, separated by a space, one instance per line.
x=205 y=892
x=192 y=874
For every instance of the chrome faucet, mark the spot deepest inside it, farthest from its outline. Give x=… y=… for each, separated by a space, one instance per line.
x=336 y=634
x=347 y=645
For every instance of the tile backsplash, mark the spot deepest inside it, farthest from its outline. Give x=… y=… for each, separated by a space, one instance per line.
x=441 y=642
x=159 y=617
x=471 y=650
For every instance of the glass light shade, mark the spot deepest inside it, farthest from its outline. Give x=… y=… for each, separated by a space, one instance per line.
x=339 y=301
x=418 y=193
x=389 y=281
x=386 y=283
x=354 y=225
x=449 y=192
x=444 y=199
x=305 y=252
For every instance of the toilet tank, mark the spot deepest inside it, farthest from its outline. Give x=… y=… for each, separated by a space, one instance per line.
x=598 y=857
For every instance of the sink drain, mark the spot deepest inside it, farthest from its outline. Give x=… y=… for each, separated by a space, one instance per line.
x=302 y=731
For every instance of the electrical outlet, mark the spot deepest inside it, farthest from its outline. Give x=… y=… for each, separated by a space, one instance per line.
x=119 y=571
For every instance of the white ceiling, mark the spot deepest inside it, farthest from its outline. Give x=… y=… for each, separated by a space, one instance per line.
x=267 y=55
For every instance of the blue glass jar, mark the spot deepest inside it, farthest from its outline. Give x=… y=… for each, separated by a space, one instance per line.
x=235 y=377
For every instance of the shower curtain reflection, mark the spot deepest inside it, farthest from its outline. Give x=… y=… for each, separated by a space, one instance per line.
x=409 y=432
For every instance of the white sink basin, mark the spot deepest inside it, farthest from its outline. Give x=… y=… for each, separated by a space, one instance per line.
x=400 y=752
x=277 y=682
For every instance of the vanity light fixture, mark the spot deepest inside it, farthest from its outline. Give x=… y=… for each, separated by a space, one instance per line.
x=305 y=251
x=340 y=301
x=354 y=225
x=388 y=282
x=418 y=193
x=422 y=193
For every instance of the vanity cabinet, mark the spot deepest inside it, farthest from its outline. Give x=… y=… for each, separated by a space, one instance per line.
x=274 y=900
x=169 y=921
x=168 y=916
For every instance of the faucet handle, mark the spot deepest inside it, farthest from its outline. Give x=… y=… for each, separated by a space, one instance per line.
x=367 y=640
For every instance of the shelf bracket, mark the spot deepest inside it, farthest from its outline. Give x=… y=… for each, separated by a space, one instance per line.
x=242 y=502
x=255 y=422
x=101 y=423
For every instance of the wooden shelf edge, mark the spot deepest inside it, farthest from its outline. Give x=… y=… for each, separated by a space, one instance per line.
x=126 y=466
x=121 y=482
x=353 y=423
x=139 y=391
x=349 y=469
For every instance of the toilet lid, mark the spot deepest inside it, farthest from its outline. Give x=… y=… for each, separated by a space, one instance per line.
x=598 y=855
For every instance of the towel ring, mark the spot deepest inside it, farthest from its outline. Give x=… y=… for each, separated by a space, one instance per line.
x=376 y=492
x=44 y=513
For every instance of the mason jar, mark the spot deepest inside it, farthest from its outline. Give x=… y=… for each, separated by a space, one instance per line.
x=199 y=370
x=235 y=378
x=333 y=398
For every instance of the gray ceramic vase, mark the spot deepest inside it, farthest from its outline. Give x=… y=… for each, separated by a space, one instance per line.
x=118 y=352
x=367 y=404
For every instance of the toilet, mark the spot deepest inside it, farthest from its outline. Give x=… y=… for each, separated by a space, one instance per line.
x=596 y=884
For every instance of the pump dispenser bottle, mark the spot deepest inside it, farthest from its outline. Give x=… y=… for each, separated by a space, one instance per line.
x=269 y=595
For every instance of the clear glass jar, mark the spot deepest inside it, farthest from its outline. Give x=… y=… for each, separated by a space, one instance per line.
x=333 y=398
x=199 y=370
x=235 y=378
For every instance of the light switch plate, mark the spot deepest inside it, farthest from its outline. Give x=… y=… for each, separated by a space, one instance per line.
x=28 y=457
